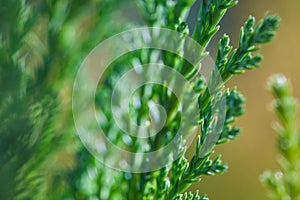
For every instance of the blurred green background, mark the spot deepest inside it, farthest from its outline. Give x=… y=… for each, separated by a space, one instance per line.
x=255 y=150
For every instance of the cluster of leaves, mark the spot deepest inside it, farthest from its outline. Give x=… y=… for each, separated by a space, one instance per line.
x=174 y=179
x=42 y=43
x=284 y=184
x=228 y=62
x=235 y=62
x=164 y=13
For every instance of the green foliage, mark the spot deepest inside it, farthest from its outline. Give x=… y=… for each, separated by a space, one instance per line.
x=211 y=12
x=284 y=184
x=164 y=13
x=42 y=44
x=235 y=62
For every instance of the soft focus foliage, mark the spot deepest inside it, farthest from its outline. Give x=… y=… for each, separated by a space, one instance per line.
x=284 y=184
